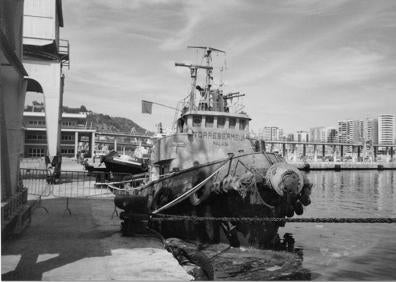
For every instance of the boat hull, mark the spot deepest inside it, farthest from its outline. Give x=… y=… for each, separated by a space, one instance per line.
x=121 y=167
x=237 y=189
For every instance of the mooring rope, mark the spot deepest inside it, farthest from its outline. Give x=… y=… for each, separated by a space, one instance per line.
x=166 y=217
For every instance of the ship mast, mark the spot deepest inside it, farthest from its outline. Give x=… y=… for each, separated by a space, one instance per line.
x=209 y=70
x=194 y=72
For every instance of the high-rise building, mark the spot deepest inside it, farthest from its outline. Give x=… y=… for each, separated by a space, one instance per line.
x=301 y=136
x=343 y=131
x=272 y=133
x=331 y=135
x=350 y=131
x=317 y=134
x=370 y=130
x=386 y=129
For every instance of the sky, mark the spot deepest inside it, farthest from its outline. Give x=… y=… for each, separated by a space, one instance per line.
x=301 y=63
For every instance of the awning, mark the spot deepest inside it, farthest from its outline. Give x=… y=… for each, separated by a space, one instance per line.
x=33 y=85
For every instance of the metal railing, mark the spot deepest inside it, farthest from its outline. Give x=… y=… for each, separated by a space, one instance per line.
x=44 y=184
x=64 y=49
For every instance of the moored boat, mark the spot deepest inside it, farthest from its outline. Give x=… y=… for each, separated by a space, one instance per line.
x=211 y=167
x=122 y=163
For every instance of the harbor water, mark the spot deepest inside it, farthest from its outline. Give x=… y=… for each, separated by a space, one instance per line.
x=351 y=251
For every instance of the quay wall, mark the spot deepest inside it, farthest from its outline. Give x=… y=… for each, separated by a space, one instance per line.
x=345 y=165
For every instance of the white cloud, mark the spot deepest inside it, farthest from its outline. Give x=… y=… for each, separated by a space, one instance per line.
x=346 y=65
x=193 y=14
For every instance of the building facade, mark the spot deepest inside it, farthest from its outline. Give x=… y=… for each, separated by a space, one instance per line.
x=14 y=83
x=331 y=134
x=350 y=131
x=44 y=56
x=386 y=129
x=370 y=130
x=272 y=133
x=301 y=136
x=317 y=134
x=75 y=137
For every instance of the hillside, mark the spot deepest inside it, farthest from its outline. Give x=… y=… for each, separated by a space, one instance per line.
x=106 y=123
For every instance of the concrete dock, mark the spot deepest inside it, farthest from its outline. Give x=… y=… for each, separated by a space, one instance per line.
x=85 y=245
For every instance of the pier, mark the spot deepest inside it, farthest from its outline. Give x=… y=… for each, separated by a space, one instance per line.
x=334 y=156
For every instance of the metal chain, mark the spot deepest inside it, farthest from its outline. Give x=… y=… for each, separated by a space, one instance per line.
x=166 y=217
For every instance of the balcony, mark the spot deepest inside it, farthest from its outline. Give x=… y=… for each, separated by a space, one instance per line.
x=64 y=52
x=51 y=51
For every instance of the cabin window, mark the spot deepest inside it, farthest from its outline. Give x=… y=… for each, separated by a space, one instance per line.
x=220 y=122
x=232 y=123
x=209 y=121
x=242 y=124
x=197 y=121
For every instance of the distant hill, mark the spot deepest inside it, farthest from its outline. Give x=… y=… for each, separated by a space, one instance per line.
x=106 y=123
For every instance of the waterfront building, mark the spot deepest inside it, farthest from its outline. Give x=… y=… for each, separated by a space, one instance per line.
x=317 y=134
x=272 y=133
x=44 y=56
x=386 y=129
x=331 y=135
x=75 y=136
x=301 y=136
x=290 y=137
x=370 y=130
x=350 y=131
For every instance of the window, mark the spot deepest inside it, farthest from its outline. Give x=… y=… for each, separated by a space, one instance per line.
x=197 y=121
x=36 y=152
x=209 y=121
x=67 y=137
x=36 y=122
x=242 y=124
x=68 y=123
x=67 y=151
x=220 y=122
x=232 y=123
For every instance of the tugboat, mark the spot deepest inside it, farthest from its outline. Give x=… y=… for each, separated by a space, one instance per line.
x=211 y=167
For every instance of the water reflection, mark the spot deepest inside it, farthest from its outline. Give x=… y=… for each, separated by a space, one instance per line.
x=349 y=251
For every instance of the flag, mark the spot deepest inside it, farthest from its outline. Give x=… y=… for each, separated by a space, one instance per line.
x=147 y=107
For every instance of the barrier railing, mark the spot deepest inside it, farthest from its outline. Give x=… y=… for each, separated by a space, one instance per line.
x=77 y=184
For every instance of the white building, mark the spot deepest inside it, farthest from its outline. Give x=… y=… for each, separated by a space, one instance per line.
x=272 y=133
x=301 y=136
x=386 y=129
x=350 y=131
x=45 y=55
x=318 y=134
x=370 y=130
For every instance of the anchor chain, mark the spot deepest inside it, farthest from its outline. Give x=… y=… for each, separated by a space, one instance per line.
x=166 y=217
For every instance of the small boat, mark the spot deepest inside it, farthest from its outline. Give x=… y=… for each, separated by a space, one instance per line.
x=211 y=167
x=123 y=163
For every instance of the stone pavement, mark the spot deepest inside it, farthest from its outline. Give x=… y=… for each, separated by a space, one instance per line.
x=85 y=245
